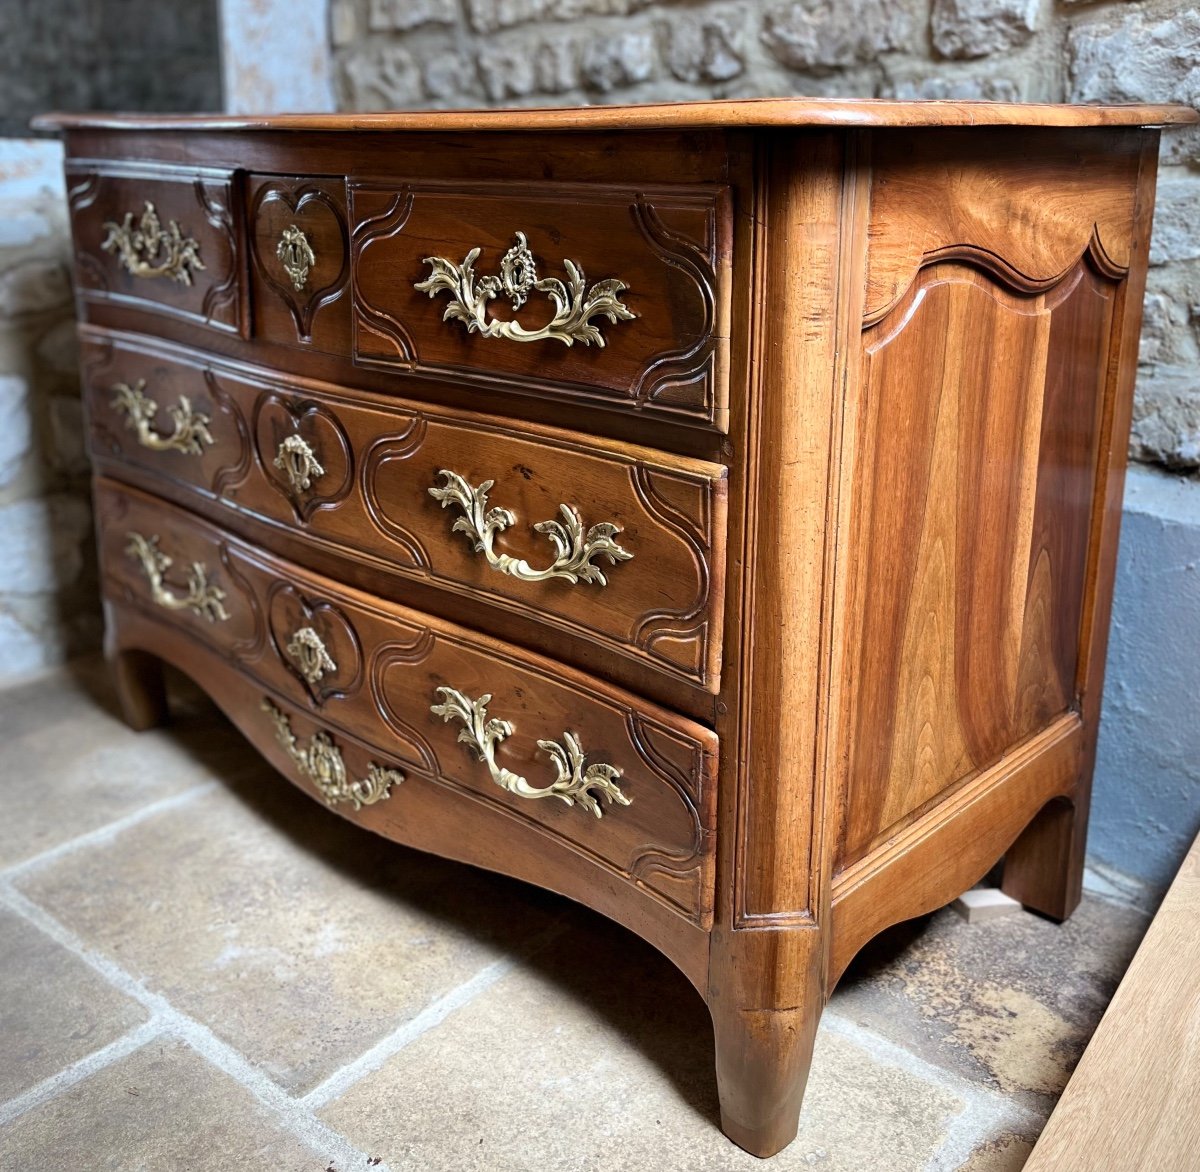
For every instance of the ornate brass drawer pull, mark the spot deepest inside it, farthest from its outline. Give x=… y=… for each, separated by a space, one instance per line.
x=574 y=303
x=202 y=597
x=296 y=255
x=574 y=549
x=191 y=427
x=573 y=784
x=298 y=462
x=321 y=762
x=150 y=250
x=307 y=651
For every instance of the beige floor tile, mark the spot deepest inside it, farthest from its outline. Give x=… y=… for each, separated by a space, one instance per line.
x=54 y=1010
x=70 y=765
x=1010 y=1003
x=298 y=938
x=598 y=1056
x=160 y=1109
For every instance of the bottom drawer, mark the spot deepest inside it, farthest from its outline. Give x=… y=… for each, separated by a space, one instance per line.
x=598 y=773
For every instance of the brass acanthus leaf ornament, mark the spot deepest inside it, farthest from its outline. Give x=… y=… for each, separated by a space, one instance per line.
x=575 y=304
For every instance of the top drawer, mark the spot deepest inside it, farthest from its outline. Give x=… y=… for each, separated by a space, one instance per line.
x=573 y=291
x=161 y=239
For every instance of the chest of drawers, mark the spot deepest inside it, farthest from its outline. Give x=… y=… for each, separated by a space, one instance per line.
x=707 y=512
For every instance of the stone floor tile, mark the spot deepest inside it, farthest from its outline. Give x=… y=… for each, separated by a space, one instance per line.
x=54 y=1010
x=70 y=765
x=1006 y=1154
x=160 y=1109
x=1010 y=1004
x=295 y=936
x=596 y=1055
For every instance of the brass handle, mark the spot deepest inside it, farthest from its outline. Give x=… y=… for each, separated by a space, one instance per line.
x=574 y=303
x=298 y=462
x=320 y=761
x=190 y=427
x=574 y=548
x=573 y=784
x=296 y=255
x=147 y=249
x=307 y=651
x=201 y=597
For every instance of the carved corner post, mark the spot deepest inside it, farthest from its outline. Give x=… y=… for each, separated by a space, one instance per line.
x=1044 y=867
x=767 y=980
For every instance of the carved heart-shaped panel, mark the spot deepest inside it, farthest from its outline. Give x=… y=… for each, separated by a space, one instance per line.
x=316 y=642
x=300 y=248
x=303 y=451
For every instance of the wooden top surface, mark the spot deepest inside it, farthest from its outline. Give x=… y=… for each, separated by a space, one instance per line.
x=746 y=113
x=1131 y=1104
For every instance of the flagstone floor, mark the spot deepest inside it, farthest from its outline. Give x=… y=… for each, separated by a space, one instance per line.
x=201 y=969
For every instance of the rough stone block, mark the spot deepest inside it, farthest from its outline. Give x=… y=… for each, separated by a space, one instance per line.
x=40 y=543
x=831 y=34
x=16 y=427
x=1166 y=420
x=708 y=50
x=613 y=62
x=36 y=285
x=1176 y=219
x=489 y=16
x=379 y=79
x=1134 y=55
x=401 y=15
x=977 y=28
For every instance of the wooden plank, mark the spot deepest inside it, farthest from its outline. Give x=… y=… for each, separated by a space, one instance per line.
x=1131 y=1104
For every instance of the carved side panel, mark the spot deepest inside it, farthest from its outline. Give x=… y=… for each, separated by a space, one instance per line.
x=300 y=247
x=669 y=249
x=979 y=466
x=160 y=238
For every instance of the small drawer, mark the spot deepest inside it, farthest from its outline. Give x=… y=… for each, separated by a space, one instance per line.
x=160 y=238
x=610 y=543
x=616 y=778
x=576 y=292
x=300 y=261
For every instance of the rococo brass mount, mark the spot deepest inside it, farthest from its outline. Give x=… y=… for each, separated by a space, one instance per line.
x=202 y=598
x=150 y=250
x=191 y=427
x=574 y=303
x=574 y=549
x=573 y=784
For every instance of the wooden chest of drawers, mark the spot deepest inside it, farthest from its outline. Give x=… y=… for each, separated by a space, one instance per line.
x=741 y=478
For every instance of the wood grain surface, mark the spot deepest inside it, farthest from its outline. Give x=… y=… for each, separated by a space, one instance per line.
x=1130 y=1106
x=786 y=113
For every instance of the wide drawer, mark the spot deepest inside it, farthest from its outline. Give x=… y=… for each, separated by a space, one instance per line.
x=159 y=238
x=574 y=291
x=625 y=782
x=608 y=542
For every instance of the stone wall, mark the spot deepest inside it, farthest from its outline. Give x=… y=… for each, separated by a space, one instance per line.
x=411 y=53
x=48 y=607
x=64 y=55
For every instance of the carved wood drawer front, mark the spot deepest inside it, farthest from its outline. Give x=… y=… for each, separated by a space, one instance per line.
x=299 y=261
x=161 y=238
x=619 y=779
x=607 y=541
x=568 y=291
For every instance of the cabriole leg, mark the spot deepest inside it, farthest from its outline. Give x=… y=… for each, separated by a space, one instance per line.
x=766 y=1000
